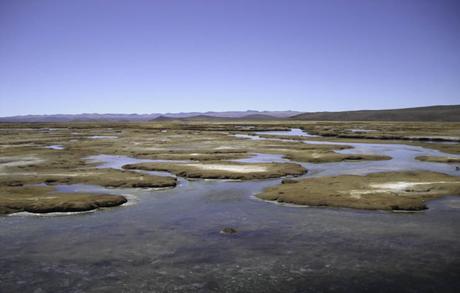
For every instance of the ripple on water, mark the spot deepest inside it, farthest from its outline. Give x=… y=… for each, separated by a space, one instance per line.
x=172 y=241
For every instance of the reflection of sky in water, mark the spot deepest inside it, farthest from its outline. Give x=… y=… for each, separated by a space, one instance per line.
x=169 y=240
x=403 y=158
x=293 y=131
x=55 y=147
x=117 y=162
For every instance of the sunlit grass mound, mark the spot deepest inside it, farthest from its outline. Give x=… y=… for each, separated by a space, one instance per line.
x=379 y=191
x=224 y=170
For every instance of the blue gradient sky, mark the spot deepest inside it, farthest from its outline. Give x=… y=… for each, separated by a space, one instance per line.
x=170 y=56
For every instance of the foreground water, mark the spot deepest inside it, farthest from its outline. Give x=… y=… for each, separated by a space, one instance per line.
x=169 y=240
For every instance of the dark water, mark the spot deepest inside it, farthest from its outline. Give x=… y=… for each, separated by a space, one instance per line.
x=169 y=241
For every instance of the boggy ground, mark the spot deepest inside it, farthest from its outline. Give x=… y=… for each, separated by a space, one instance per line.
x=292 y=148
x=102 y=177
x=434 y=159
x=328 y=157
x=419 y=131
x=26 y=157
x=378 y=191
x=43 y=199
x=224 y=170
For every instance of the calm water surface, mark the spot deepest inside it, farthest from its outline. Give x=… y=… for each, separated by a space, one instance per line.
x=169 y=241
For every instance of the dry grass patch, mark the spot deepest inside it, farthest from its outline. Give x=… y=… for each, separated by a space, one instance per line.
x=327 y=157
x=434 y=159
x=38 y=199
x=224 y=170
x=101 y=177
x=379 y=191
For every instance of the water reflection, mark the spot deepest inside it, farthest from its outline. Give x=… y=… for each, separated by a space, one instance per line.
x=292 y=131
x=170 y=240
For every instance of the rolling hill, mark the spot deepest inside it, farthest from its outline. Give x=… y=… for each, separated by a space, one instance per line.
x=446 y=113
x=450 y=113
x=250 y=114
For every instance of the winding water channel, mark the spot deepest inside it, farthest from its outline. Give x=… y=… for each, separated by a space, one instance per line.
x=168 y=240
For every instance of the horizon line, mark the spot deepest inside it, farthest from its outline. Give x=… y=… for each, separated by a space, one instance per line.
x=225 y=111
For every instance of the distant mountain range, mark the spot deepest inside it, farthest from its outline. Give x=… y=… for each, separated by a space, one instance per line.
x=448 y=113
x=250 y=114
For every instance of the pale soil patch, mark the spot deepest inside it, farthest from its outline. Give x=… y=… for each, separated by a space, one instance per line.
x=401 y=185
x=223 y=170
x=148 y=148
x=224 y=148
x=382 y=191
x=396 y=188
x=355 y=196
x=229 y=168
x=358 y=130
x=6 y=162
x=103 y=137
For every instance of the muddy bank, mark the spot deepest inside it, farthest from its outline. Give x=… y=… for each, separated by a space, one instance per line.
x=378 y=191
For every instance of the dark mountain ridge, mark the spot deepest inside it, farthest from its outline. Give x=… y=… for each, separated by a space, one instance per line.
x=444 y=113
x=146 y=117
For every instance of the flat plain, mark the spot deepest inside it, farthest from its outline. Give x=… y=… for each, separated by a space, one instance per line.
x=171 y=187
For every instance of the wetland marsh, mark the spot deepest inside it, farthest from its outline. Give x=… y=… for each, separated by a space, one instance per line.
x=307 y=206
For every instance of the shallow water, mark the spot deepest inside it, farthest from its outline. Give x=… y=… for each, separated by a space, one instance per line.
x=293 y=131
x=168 y=240
x=403 y=159
x=55 y=147
x=117 y=162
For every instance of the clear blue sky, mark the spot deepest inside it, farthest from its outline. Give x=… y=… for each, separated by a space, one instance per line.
x=112 y=56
